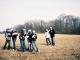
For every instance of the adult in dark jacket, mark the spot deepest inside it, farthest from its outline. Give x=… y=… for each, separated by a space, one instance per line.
x=22 y=39
x=29 y=38
x=52 y=35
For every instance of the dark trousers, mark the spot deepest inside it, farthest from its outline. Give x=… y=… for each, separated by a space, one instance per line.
x=7 y=42
x=48 y=41
x=52 y=41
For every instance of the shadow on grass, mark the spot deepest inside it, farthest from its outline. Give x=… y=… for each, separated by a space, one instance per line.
x=44 y=44
x=1 y=58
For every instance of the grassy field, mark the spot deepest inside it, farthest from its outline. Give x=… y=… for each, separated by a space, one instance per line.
x=67 y=48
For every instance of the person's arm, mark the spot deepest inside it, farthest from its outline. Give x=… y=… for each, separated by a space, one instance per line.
x=49 y=31
x=45 y=34
x=36 y=36
x=54 y=31
x=19 y=36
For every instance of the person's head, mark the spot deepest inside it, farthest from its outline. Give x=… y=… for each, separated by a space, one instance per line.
x=29 y=30
x=7 y=30
x=34 y=31
x=50 y=28
x=24 y=29
x=21 y=30
x=47 y=30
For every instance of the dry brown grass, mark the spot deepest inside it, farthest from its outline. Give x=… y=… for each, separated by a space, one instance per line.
x=67 y=48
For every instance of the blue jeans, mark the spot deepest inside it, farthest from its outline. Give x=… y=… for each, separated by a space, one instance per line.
x=22 y=45
x=34 y=46
x=14 y=45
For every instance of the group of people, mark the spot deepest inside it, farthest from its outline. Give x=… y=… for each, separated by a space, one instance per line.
x=49 y=35
x=10 y=35
x=31 y=39
x=30 y=36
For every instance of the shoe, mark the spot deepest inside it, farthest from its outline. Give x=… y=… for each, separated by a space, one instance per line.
x=33 y=52
x=4 y=48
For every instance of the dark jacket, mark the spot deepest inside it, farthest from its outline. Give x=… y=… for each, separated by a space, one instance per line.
x=30 y=37
x=22 y=36
x=52 y=33
x=34 y=37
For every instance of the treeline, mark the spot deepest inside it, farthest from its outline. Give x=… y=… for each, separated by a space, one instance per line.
x=64 y=24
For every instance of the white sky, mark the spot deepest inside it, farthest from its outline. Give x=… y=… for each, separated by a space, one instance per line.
x=14 y=12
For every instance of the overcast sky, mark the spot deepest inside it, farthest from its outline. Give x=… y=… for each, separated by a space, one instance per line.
x=14 y=12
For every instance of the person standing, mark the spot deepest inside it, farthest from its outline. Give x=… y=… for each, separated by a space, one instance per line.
x=8 y=39
x=14 y=37
x=22 y=39
x=29 y=38
x=25 y=33
x=47 y=36
x=52 y=35
x=34 y=46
